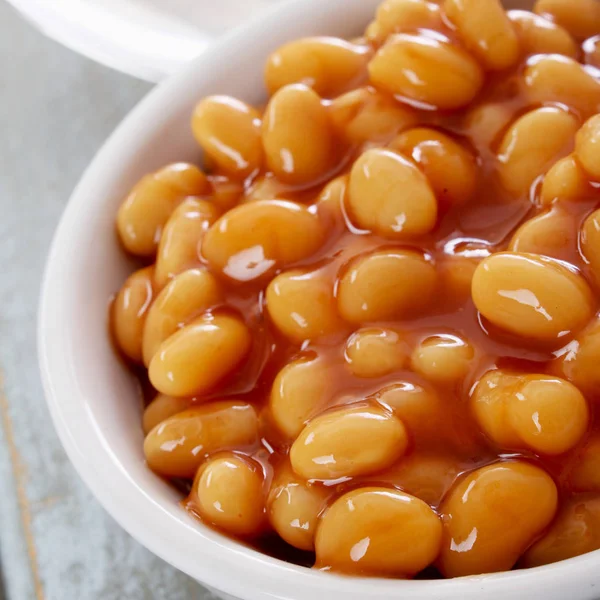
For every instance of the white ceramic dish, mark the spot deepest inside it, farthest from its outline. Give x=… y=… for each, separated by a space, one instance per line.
x=149 y=39
x=93 y=399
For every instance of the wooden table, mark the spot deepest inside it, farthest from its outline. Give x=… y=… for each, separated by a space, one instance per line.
x=56 y=542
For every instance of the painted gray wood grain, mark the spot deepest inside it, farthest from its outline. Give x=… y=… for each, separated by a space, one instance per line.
x=56 y=543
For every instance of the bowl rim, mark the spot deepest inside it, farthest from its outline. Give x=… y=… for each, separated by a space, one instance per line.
x=226 y=565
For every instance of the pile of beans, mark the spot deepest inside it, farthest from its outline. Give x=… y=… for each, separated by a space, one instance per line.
x=368 y=329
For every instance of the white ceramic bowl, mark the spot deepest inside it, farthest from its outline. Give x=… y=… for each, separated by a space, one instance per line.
x=92 y=398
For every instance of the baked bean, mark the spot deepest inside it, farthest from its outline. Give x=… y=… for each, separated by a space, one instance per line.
x=492 y=515
x=187 y=296
x=449 y=168
x=387 y=284
x=378 y=531
x=565 y=181
x=294 y=506
x=229 y=131
x=456 y=275
x=226 y=193
x=526 y=151
x=228 y=493
x=590 y=242
x=426 y=70
x=579 y=362
x=486 y=121
x=143 y=214
x=329 y=65
x=178 y=446
x=584 y=475
x=129 y=312
x=252 y=240
x=178 y=247
x=417 y=406
x=297 y=135
x=531 y=296
x=200 y=355
x=375 y=352
x=388 y=195
x=539 y=412
x=161 y=408
x=587 y=147
x=426 y=476
x=581 y=18
x=443 y=358
x=550 y=233
x=300 y=389
x=575 y=531
x=538 y=35
x=485 y=30
x=558 y=79
x=395 y=16
x=302 y=305
x=330 y=203
x=347 y=442
x=366 y=114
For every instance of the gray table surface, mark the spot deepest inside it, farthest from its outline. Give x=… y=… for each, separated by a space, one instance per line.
x=56 y=542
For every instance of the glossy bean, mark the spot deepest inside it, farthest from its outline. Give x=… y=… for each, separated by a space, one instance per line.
x=200 y=356
x=388 y=284
x=378 y=531
x=426 y=70
x=388 y=195
x=143 y=214
x=492 y=515
x=187 y=296
x=254 y=239
x=485 y=30
x=329 y=65
x=130 y=310
x=348 y=442
x=229 y=131
x=178 y=446
x=180 y=239
x=228 y=493
x=542 y=413
x=297 y=135
x=532 y=296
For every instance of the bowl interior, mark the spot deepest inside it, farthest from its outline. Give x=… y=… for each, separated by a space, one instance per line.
x=94 y=400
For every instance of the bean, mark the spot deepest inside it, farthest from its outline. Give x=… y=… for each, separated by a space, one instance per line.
x=200 y=356
x=229 y=131
x=492 y=515
x=348 y=442
x=228 y=493
x=143 y=214
x=299 y=390
x=298 y=135
x=327 y=64
x=531 y=296
x=426 y=70
x=130 y=310
x=254 y=239
x=180 y=239
x=378 y=531
x=187 y=296
x=178 y=446
x=527 y=149
x=539 y=412
x=485 y=30
x=388 y=284
x=389 y=196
